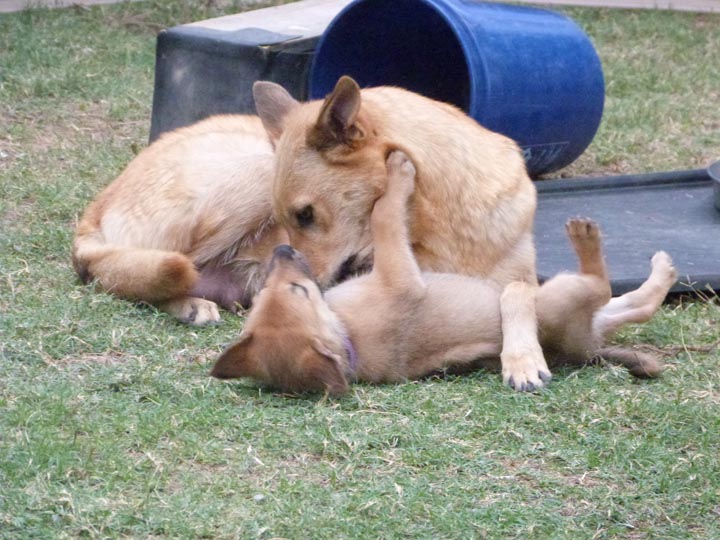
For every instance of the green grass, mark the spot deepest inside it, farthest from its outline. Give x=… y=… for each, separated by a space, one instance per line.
x=111 y=428
x=661 y=76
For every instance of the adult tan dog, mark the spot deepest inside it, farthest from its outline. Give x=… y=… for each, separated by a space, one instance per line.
x=396 y=322
x=472 y=212
x=187 y=225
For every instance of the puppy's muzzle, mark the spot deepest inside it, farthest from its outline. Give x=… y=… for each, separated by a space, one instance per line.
x=284 y=251
x=285 y=255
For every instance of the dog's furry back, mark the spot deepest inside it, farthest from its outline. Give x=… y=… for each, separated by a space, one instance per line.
x=175 y=208
x=479 y=203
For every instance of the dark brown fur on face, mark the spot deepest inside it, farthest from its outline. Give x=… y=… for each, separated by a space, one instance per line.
x=397 y=323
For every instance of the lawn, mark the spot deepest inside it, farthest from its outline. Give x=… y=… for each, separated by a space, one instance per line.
x=111 y=428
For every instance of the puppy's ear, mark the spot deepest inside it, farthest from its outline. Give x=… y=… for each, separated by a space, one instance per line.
x=337 y=123
x=273 y=103
x=236 y=361
x=328 y=370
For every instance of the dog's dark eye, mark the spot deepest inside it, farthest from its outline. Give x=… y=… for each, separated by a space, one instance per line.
x=305 y=216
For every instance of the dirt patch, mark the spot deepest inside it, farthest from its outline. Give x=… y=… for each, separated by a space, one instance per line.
x=70 y=126
x=108 y=359
x=9 y=148
x=531 y=471
x=261 y=474
x=17 y=213
x=9 y=6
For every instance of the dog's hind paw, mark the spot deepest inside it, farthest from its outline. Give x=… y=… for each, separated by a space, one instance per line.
x=191 y=310
x=582 y=231
x=662 y=266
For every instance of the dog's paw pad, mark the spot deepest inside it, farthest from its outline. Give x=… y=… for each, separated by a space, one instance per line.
x=202 y=312
x=582 y=229
x=194 y=311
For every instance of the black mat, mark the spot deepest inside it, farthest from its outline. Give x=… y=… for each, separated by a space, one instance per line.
x=639 y=215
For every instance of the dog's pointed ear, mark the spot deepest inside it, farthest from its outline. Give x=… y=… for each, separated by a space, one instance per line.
x=329 y=370
x=236 y=361
x=337 y=123
x=273 y=103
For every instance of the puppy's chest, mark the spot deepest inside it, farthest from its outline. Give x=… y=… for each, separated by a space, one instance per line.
x=384 y=332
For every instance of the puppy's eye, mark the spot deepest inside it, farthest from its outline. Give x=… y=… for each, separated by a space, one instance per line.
x=305 y=216
x=300 y=289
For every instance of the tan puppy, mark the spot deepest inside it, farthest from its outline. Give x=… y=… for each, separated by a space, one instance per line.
x=396 y=322
x=472 y=211
x=187 y=225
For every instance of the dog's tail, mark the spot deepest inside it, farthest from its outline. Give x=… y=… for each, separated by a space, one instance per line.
x=149 y=275
x=640 y=364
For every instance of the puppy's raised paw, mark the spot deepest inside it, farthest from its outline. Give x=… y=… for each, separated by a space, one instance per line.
x=191 y=310
x=401 y=173
x=582 y=231
x=399 y=163
x=662 y=267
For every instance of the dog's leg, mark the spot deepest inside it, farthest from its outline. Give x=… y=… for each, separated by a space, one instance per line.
x=393 y=261
x=640 y=305
x=567 y=303
x=584 y=235
x=191 y=310
x=574 y=296
x=523 y=364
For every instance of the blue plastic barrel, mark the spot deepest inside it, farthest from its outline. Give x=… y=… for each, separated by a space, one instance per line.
x=528 y=73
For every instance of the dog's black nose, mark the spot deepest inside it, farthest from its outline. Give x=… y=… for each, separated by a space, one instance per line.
x=285 y=252
x=289 y=257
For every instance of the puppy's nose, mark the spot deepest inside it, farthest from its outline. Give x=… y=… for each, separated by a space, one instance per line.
x=284 y=251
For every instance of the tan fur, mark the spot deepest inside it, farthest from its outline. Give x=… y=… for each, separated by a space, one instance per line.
x=403 y=323
x=472 y=211
x=196 y=198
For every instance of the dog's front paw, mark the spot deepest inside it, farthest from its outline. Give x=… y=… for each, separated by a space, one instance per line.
x=525 y=371
x=191 y=310
x=401 y=172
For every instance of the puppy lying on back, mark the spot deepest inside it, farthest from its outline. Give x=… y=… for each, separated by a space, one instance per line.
x=398 y=323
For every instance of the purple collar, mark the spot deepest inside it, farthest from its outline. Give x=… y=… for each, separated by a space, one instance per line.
x=351 y=354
